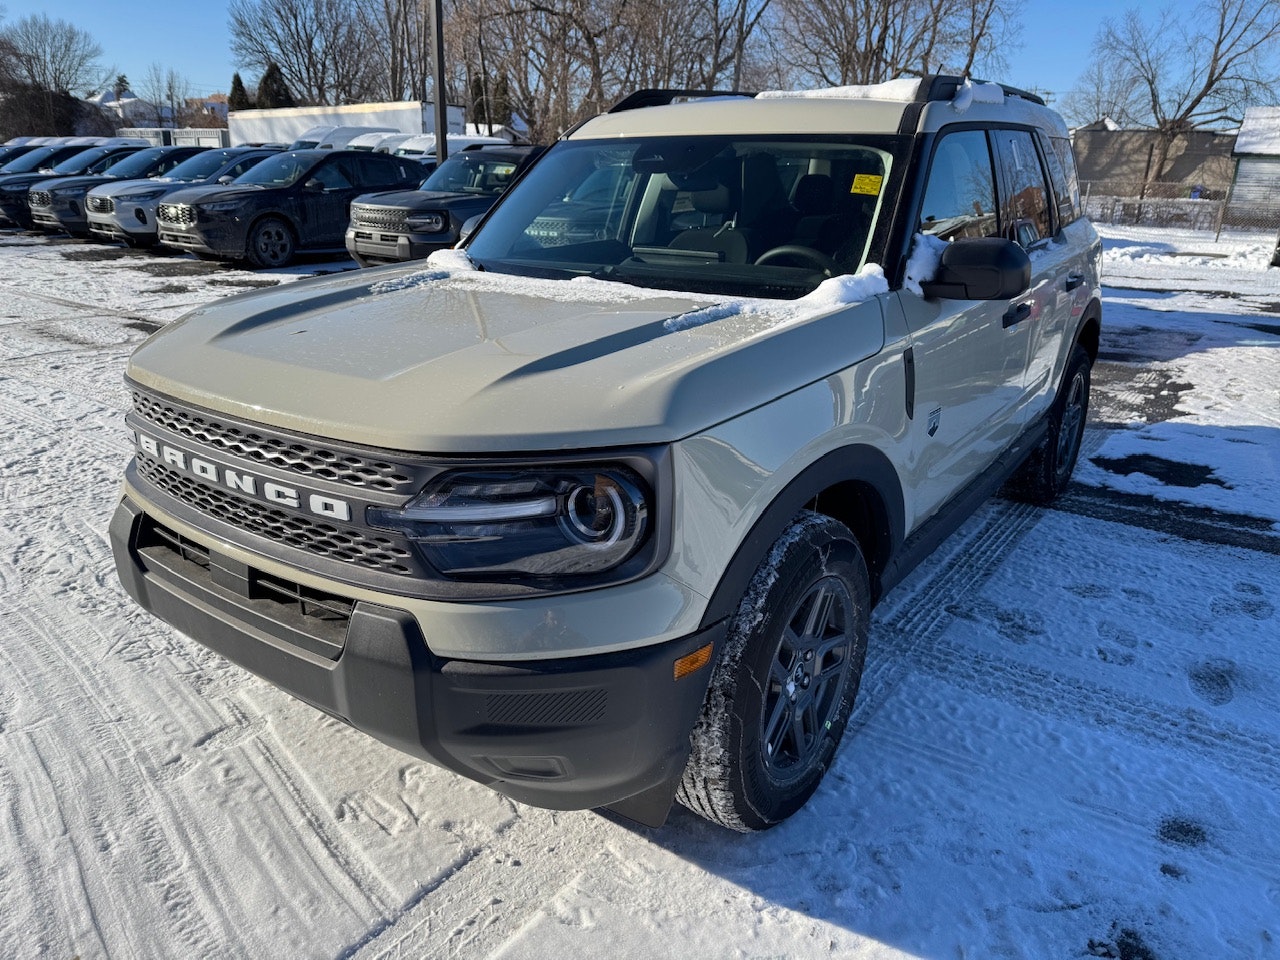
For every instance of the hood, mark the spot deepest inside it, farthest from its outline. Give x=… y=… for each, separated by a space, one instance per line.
x=113 y=188
x=417 y=199
x=468 y=363
x=215 y=191
x=62 y=183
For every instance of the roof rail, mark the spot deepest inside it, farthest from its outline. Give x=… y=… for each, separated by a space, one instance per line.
x=943 y=87
x=662 y=97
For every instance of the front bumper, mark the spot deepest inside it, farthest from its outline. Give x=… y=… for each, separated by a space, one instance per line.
x=603 y=730
x=125 y=224
x=14 y=209
x=62 y=215
x=390 y=246
x=225 y=238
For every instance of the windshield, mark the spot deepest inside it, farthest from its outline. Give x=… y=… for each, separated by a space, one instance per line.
x=746 y=216
x=472 y=172
x=137 y=164
x=202 y=166
x=31 y=161
x=79 y=162
x=282 y=170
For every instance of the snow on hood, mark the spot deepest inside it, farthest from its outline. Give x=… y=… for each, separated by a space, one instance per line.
x=836 y=292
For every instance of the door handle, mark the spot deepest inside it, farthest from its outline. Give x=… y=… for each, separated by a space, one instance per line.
x=1016 y=314
x=1074 y=280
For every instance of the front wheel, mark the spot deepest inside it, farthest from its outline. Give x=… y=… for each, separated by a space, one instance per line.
x=785 y=684
x=1047 y=471
x=271 y=243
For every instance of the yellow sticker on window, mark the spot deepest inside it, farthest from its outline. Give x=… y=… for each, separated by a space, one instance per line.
x=867 y=183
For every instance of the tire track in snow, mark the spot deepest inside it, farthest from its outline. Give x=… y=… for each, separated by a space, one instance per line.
x=112 y=783
x=491 y=895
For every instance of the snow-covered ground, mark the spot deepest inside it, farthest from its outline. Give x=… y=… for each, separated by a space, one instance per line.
x=1067 y=743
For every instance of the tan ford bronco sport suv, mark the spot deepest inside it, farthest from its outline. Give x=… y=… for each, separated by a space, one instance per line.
x=594 y=509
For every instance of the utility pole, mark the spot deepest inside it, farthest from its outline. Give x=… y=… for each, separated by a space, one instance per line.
x=442 y=108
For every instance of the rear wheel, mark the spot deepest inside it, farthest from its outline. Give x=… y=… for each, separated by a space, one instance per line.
x=785 y=684
x=271 y=243
x=1047 y=471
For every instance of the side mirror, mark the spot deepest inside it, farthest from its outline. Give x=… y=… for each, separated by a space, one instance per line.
x=980 y=268
x=226 y=179
x=469 y=227
x=315 y=186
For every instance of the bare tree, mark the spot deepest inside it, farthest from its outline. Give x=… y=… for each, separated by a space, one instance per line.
x=326 y=49
x=1102 y=94
x=54 y=54
x=1197 y=71
x=167 y=92
x=840 y=42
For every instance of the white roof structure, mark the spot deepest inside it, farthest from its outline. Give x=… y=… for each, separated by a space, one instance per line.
x=1260 y=132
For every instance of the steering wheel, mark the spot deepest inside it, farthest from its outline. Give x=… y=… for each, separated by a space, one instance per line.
x=816 y=257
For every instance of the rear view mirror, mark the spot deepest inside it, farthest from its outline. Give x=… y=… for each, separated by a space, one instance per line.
x=980 y=268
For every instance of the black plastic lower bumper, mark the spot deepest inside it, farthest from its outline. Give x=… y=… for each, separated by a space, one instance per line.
x=605 y=730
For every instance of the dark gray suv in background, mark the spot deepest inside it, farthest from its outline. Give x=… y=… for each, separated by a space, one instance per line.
x=290 y=203
x=411 y=224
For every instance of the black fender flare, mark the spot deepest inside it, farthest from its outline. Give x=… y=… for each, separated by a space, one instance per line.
x=859 y=464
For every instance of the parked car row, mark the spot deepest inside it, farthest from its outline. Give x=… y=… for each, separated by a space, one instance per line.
x=260 y=204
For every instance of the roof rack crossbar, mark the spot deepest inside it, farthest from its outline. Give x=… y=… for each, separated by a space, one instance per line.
x=944 y=87
x=662 y=97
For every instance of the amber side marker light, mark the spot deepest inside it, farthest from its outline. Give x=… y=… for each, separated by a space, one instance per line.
x=693 y=662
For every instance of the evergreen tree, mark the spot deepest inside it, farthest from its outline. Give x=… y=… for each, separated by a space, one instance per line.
x=273 y=91
x=121 y=86
x=238 y=98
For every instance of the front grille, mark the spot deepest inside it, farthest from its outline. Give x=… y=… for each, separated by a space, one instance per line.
x=286 y=453
x=381 y=218
x=176 y=213
x=100 y=204
x=39 y=198
x=356 y=547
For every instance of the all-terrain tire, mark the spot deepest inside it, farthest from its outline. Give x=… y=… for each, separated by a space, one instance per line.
x=785 y=683
x=1047 y=471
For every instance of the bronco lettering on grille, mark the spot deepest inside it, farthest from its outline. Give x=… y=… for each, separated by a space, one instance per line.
x=243 y=482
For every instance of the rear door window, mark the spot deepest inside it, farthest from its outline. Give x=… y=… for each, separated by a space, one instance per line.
x=1027 y=216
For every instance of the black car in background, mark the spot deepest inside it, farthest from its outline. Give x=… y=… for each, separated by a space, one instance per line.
x=289 y=203
x=125 y=210
x=16 y=177
x=410 y=224
x=59 y=204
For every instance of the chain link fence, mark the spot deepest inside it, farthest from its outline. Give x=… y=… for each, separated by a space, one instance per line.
x=1178 y=206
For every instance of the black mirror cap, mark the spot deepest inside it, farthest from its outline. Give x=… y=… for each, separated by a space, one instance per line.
x=980 y=268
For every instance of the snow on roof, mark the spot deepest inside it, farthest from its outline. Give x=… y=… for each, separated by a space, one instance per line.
x=903 y=90
x=1260 y=132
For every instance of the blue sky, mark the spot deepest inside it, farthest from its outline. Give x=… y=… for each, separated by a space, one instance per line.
x=192 y=38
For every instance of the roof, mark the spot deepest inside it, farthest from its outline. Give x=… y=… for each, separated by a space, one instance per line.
x=1260 y=131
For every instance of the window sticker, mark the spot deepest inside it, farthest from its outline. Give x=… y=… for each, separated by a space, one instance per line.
x=868 y=183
